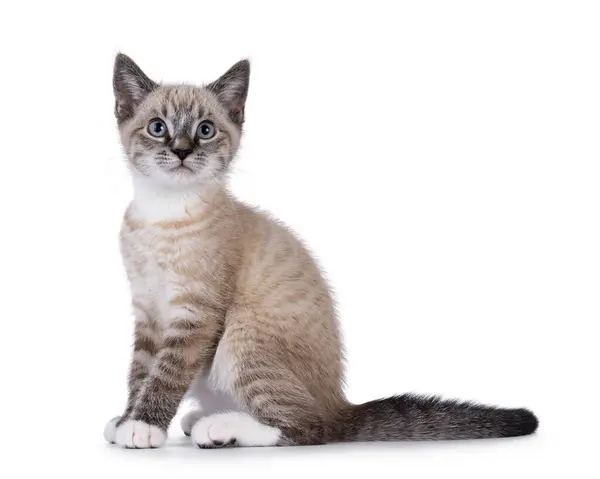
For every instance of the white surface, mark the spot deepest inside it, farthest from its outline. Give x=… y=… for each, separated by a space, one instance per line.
x=441 y=158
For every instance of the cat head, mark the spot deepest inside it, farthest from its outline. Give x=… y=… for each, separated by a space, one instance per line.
x=179 y=135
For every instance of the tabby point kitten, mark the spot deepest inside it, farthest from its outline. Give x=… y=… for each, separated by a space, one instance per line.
x=230 y=308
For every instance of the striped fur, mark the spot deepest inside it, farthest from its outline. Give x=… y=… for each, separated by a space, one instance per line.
x=229 y=305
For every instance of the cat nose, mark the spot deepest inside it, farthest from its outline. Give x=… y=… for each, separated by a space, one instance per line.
x=182 y=146
x=182 y=153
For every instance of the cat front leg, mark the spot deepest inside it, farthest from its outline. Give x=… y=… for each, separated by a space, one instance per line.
x=145 y=346
x=187 y=348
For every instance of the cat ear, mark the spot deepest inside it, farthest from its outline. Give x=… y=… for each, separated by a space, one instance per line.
x=130 y=85
x=232 y=89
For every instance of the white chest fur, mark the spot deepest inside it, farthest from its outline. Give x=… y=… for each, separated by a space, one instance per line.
x=165 y=253
x=146 y=268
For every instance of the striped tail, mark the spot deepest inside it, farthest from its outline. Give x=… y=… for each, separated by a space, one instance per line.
x=416 y=418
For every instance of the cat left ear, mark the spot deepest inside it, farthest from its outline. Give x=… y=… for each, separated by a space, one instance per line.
x=232 y=89
x=130 y=86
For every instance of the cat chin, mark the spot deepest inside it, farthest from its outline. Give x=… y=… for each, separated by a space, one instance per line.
x=168 y=179
x=190 y=181
x=183 y=176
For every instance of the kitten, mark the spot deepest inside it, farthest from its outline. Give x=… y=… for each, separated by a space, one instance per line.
x=229 y=306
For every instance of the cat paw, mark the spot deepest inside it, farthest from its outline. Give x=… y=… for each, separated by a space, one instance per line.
x=110 y=430
x=134 y=434
x=212 y=432
x=189 y=420
x=233 y=428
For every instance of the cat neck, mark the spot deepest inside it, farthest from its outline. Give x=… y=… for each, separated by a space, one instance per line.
x=153 y=202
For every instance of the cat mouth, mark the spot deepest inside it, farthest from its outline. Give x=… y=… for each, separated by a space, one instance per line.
x=182 y=169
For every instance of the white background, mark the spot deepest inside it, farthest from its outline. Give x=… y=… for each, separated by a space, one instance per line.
x=441 y=158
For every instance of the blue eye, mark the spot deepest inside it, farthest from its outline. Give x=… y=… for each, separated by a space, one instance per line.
x=206 y=130
x=157 y=128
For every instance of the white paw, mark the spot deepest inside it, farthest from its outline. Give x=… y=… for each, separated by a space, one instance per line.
x=110 y=430
x=227 y=429
x=188 y=421
x=139 y=435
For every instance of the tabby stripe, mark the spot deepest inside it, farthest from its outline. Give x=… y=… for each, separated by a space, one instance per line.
x=197 y=300
x=144 y=343
x=166 y=385
x=180 y=342
x=170 y=358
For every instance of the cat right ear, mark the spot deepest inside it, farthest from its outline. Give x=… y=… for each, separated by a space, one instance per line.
x=130 y=86
x=231 y=90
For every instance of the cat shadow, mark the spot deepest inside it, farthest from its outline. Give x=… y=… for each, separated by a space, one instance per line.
x=182 y=447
